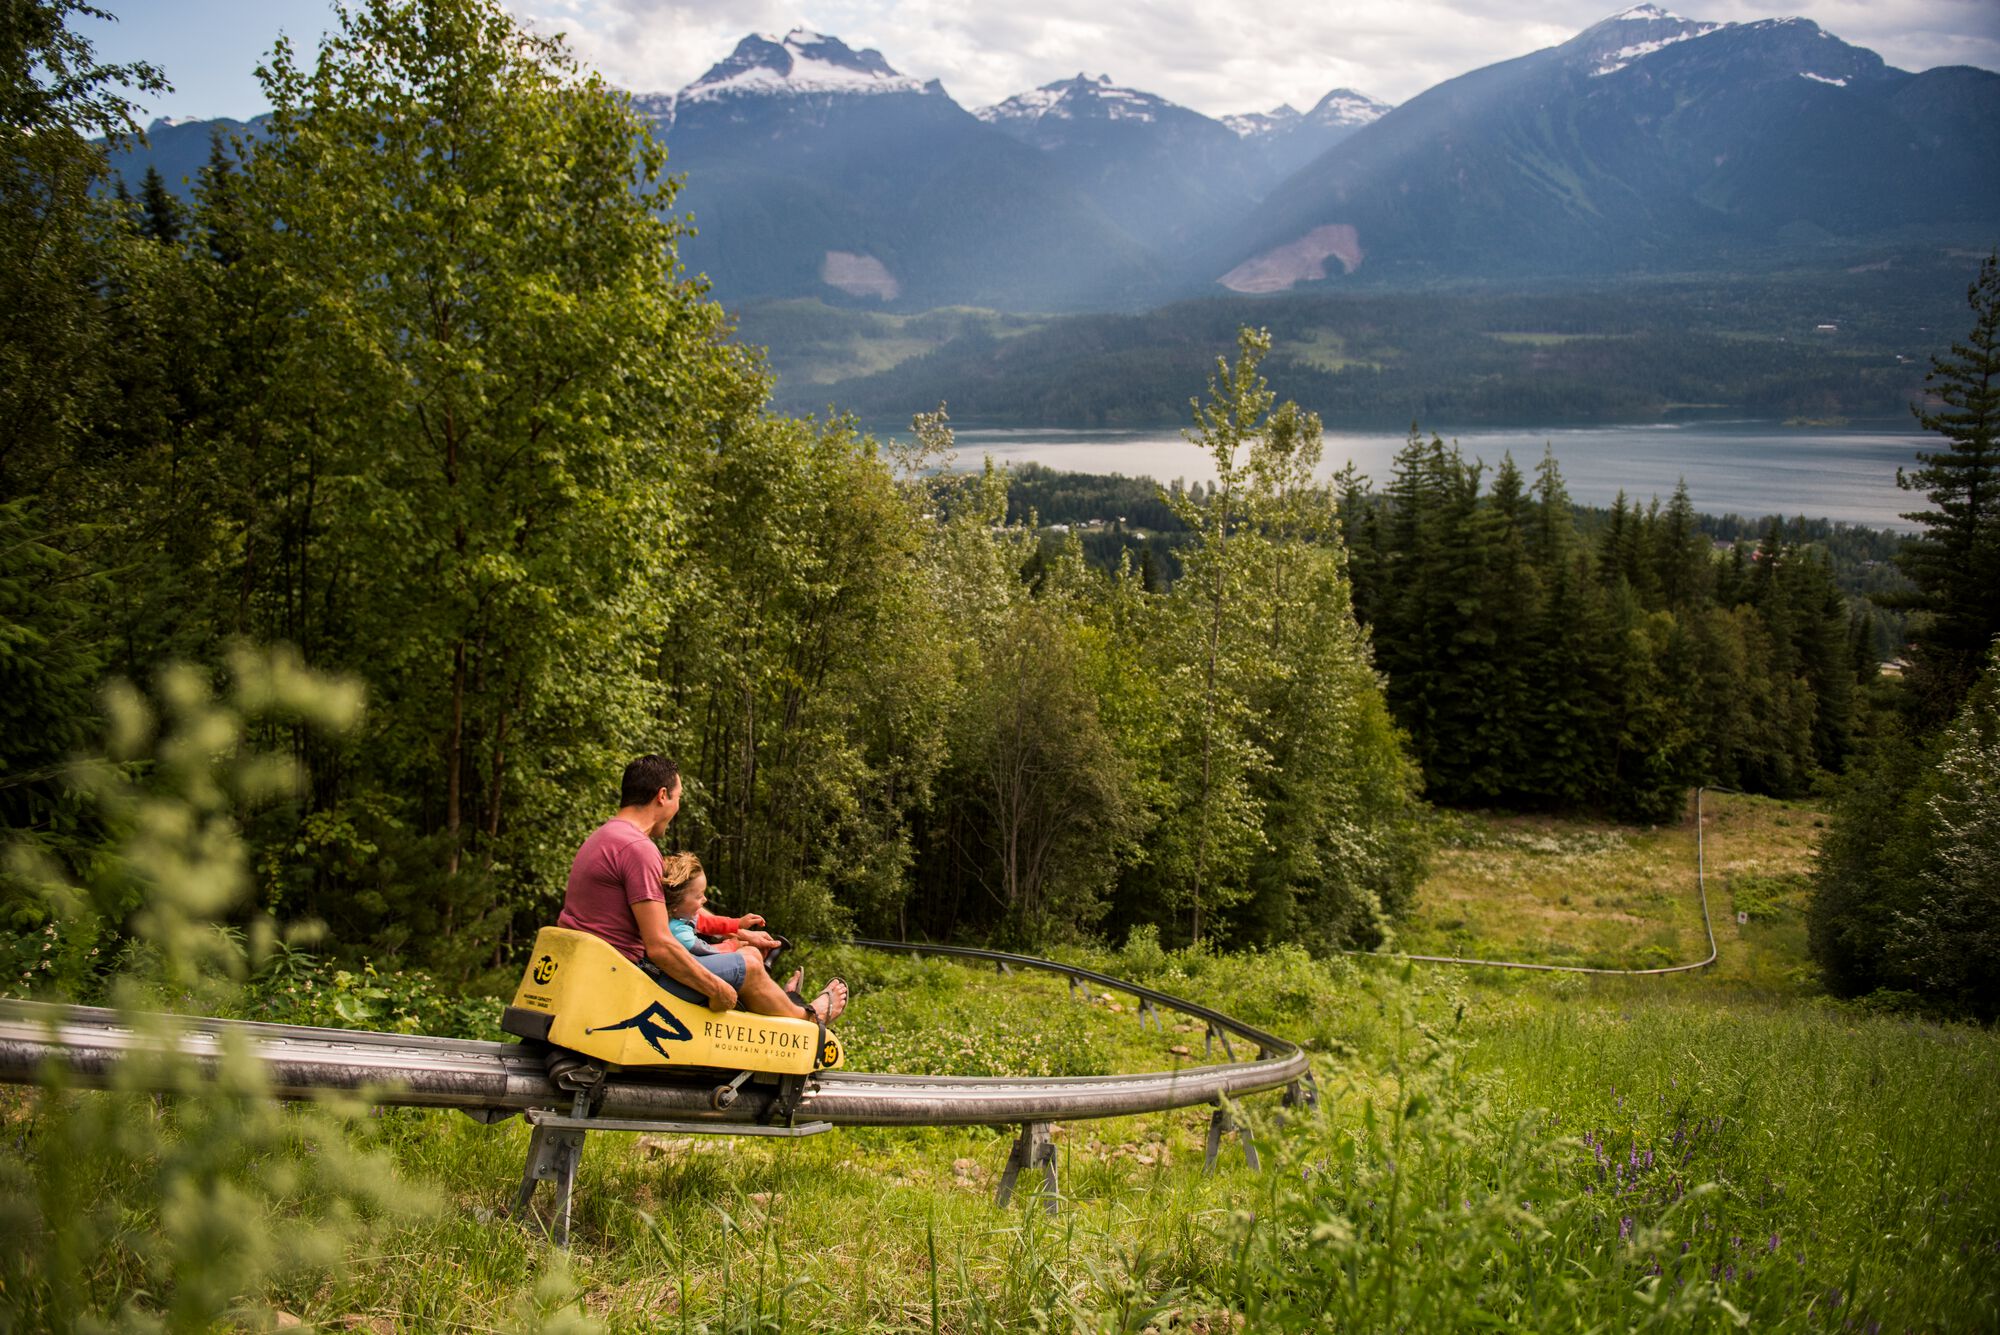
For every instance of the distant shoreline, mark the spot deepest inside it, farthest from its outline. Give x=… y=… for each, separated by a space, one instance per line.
x=1741 y=466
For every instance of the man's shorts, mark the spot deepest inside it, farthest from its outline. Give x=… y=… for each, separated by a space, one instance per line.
x=729 y=967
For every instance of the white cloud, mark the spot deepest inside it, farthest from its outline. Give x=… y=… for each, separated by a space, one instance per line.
x=1249 y=55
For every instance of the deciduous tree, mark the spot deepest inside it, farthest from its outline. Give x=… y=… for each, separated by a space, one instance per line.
x=459 y=467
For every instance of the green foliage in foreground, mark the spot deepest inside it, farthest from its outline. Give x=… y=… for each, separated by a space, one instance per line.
x=170 y=1201
x=1557 y=1154
x=1612 y=1155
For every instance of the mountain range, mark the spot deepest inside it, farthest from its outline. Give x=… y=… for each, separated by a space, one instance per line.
x=1649 y=143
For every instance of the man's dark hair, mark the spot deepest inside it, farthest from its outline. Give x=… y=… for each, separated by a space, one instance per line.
x=645 y=777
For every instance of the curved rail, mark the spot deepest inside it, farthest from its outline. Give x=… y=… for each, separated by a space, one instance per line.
x=1267 y=1044
x=494 y=1080
x=1701 y=884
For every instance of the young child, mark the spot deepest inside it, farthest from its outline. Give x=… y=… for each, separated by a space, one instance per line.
x=686 y=890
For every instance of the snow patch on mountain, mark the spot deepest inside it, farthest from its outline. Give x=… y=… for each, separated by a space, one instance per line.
x=1821 y=78
x=1625 y=55
x=1253 y=124
x=801 y=62
x=1633 y=34
x=658 y=106
x=1069 y=99
x=1344 y=107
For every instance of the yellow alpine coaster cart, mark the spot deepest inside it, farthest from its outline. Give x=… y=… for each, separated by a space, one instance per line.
x=598 y=1012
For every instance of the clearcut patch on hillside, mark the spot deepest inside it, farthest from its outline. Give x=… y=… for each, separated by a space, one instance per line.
x=1300 y=261
x=859 y=275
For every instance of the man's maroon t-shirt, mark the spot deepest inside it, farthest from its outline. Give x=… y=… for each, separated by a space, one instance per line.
x=617 y=867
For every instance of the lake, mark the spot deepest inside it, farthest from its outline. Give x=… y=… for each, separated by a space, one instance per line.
x=1750 y=468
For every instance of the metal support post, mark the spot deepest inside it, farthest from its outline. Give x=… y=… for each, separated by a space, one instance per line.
x=1147 y=1011
x=1222 y=1121
x=1033 y=1148
x=553 y=1154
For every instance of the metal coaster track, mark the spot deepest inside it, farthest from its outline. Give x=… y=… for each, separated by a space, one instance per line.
x=493 y=1081
x=1707 y=923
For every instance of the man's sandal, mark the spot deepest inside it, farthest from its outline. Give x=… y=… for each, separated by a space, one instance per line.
x=828 y=1005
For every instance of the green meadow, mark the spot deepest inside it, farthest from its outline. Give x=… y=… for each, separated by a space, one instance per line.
x=1717 y=1150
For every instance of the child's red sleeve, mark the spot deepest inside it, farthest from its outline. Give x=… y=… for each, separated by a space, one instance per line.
x=714 y=924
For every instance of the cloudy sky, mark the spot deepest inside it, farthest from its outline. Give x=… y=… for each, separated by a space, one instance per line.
x=1219 y=58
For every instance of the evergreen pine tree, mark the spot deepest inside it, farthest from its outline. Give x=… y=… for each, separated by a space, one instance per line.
x=1680 y=554
x=1617 y=542
x=1511 y=600
x=1413 y=613
x=162 y=212
x=1955 y=560
x=1572 y=717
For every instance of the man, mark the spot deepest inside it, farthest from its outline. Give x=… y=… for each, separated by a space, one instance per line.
x=614 y=892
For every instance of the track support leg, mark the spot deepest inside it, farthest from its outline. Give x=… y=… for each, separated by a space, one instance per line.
x=1223 y=1121
x=552 y=1157
x=1034 y=1148
x=1147 y=1012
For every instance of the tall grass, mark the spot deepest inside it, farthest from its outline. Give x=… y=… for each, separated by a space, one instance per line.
x=1653 y=1164
x=1704 y=1152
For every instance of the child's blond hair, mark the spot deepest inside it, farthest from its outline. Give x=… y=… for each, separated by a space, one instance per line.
x=676 y=875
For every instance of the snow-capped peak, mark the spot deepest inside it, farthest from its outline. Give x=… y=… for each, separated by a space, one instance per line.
x=1345 y=107
x=1645 y=12
x=1627 y=36
x=1074 y=99
x=800 y=62
x=1251 y=124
